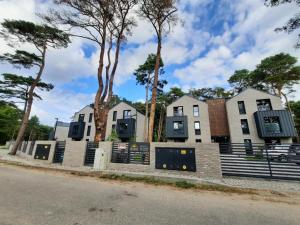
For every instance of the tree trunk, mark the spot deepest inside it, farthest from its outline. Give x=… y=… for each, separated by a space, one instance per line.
x=160 y=124
x=146 y=127
x=287 y=102
x=98 y=104
x=154 y=90
x=29 y=106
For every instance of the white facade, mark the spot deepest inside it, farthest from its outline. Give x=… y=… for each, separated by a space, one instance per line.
x=249 y=97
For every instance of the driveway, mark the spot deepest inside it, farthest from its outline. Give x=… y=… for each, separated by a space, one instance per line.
x=31 y=197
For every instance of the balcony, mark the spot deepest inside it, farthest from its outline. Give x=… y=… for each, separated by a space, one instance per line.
x=76 y=130
x=177 y=127
x=275 y=124
x=126 y=128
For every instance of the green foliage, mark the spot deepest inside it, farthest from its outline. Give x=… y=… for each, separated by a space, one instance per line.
x=10 y=117
x=210 y=93
x=293 y=23
x=113 y=136
x=14 y=87
x=36 y=131
x=185 y=185
x=145 y=73
x=22 y=58
x=295 y=107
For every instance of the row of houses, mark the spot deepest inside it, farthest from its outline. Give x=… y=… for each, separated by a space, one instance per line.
x=252 y=116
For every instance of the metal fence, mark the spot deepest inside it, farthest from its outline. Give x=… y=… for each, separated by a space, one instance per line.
x=131 y=153
x=59 y=152
x=90 y=153
x=31 y=147
x=260 y=160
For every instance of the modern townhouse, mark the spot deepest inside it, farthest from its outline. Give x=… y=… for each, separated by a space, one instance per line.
x=258 y=117
x=123 y=118
x=188 y=121
x=61 y=131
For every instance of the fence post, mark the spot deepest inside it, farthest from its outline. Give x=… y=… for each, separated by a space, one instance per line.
x=269 y=162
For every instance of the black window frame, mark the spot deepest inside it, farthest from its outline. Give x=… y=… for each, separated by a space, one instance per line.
x=245 y=130
x=197 y=131
x=198 y=110
x=242 y=110
x=115 y=115
x=88 y=132
x=198 y=140
x=91 y=117
x=179 y=127
x=127 y=117
x=176 y=108
x=270 y=118
x=81 y=118
x=113 y=127
x=260 y=108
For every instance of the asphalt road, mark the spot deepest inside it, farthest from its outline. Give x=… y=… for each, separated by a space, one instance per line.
x=30 y=197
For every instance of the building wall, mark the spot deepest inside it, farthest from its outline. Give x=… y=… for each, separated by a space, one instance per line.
x=61 y=133
x=86 y=111
x=249 y=96
x=187 y=103
x=120 y=108
x=74 y=153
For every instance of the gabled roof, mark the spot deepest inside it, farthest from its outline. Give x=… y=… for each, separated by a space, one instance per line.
x=128 y=105
x=186 y=95
x=250 y=88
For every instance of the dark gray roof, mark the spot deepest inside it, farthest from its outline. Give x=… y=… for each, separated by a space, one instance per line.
x=62 y=124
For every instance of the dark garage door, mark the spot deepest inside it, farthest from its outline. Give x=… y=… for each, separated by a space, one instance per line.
x=42 y=152
x=182 y=159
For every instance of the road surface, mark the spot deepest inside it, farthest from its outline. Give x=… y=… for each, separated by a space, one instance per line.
x=29 y=197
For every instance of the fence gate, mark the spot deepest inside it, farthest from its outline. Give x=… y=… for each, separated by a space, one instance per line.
x=24 y=147
x=131 y=153
x=90 y=153
x=59 y=152
x=31 y=147
x=260 y=160
x=42 y=152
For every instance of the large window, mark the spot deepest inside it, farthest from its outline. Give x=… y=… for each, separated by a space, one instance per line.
x=245 y=126
x=242 y=108
x=126 y=114
x=272 y=125
x=197 y=128
x=81 y=118
x=88 y=133
x=178 y=125
x=196 y=110
x=91 y=117
x=115 y=113
x=178 y=111
x=264 y=105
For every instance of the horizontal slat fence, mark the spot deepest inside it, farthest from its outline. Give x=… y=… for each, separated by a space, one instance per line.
x=260 y=160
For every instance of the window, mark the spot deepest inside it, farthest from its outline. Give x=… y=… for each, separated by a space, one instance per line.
x=242 y=108
x=81 y=118
x=123 y=128
x=178 y=111
x=115 y=113
x=197 y=128
x=264 y=105
x=91 y=117
x=75 y=130
x=196 y=110
x=272 y=125
x=113 y=127
x=198 y=140
x=245 y=126
x=178 y=125
x=126 y=114
x=88 y=133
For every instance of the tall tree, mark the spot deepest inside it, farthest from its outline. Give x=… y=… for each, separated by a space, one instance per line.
x=41 y=37
x=210 y=93
x=106 y=23
x=293 y=23
x=279 y=73
x=10 y=117
x=14 y=88
x=145 y=76
x=162 y=15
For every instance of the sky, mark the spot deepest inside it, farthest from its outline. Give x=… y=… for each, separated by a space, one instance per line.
x=212 y=40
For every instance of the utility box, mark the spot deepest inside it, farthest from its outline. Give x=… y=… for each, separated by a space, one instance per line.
x=182 y=159
x=101 y=159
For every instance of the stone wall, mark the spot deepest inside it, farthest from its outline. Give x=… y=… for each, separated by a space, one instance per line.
x=208 y=162
x=74 y=153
